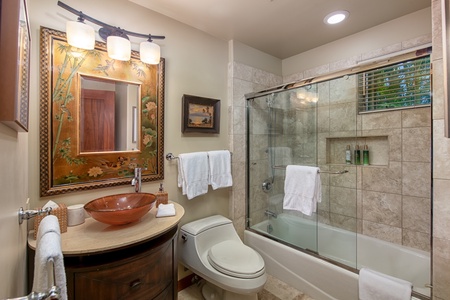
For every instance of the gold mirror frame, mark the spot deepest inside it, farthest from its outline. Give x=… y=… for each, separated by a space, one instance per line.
x=62 y=170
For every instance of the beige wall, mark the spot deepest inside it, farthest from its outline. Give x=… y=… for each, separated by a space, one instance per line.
x=386 y=35
x=14 y=191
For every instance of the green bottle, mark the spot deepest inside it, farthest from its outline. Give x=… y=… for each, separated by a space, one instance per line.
x=366 y=155
x=357 y=155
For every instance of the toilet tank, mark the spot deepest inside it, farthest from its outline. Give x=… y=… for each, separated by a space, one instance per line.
x=204 y=233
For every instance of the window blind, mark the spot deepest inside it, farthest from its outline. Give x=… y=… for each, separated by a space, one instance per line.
x=401 y=85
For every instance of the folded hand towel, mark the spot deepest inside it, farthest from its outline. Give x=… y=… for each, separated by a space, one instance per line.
x=302 y=189
x=48 y=248
x=220 y=169
x=377 y=286
x=193 y=173
x=166 y=210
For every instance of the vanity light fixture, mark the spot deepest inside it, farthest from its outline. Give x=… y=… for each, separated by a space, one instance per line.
x=118 y=44
x=336 y=17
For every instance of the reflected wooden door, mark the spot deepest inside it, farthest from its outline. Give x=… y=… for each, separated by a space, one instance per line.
x=97 y=121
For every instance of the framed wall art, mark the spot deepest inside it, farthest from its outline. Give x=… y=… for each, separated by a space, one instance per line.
x=15 y=61
x=200 y=115
x=99 y=118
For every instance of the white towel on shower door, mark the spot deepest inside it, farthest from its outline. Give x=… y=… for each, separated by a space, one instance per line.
x=302 y=189
x=193 y=173
x=378 y=286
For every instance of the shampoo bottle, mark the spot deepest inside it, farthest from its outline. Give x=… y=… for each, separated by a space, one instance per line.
x=357 y=155
x=348 y=155
x=161 y=196
x=366 y=155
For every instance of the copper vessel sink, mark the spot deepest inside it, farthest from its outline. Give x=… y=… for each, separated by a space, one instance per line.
x=120 y=209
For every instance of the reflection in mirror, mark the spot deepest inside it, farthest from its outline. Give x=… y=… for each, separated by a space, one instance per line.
x=108 y=118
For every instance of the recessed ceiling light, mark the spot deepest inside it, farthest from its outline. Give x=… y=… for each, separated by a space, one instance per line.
x=336 y=17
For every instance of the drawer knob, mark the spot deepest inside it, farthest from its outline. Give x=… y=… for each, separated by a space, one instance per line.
x=135 y=283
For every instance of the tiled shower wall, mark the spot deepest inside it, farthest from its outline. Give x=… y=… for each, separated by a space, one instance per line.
x=391 y=198
x=242 y=80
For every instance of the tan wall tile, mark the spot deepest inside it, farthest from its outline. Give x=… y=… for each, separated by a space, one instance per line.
x=385 y=120
x=417 y=179
x=416 y=214
x=416 y=144
x=383 y=232
x=416 y=117
x=441 y=209
x=441 y=151
x=417 y=240
x=343 y=201
x=382 y=179
x=382 y=208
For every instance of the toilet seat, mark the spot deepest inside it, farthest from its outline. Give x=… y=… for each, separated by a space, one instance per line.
x=236 y=259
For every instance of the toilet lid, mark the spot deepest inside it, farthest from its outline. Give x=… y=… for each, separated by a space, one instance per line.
x=236 y=259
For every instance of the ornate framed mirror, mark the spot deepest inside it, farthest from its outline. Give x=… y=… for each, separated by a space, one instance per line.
x=99 y=118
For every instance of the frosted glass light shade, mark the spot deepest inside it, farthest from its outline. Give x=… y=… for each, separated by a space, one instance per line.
x=80 y=35
x=118 y=48
x=150 y=53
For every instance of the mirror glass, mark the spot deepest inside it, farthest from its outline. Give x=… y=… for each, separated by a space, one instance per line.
x=100 y=118
x=108 y=115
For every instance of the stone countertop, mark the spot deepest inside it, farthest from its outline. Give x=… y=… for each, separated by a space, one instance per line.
x=92 y=236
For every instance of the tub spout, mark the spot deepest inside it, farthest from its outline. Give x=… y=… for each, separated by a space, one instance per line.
x=137 y=180
x=270 y=214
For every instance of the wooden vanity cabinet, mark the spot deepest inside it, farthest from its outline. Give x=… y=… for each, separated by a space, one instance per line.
x=147 y=270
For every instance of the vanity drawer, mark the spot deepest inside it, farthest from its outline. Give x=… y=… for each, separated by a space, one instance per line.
x=144 y=277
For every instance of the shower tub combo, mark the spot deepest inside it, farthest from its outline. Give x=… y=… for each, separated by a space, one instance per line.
x=325 y=280
x=311 y=124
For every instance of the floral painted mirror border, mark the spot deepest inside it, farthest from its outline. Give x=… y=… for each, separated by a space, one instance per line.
x=62 y=169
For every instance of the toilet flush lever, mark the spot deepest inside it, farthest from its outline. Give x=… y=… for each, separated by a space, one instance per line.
x=184 y=237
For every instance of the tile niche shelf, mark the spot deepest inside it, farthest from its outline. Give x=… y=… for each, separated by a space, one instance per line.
x=378 y=149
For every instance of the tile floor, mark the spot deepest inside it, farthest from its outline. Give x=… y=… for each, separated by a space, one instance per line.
x=274 y=289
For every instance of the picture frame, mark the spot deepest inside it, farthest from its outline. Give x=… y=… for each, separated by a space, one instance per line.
x=15 y=61
x=64 y=166
x=200 y=114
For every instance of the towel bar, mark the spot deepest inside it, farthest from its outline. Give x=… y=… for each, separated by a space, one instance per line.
x=28 y=214
x=170 y=156
x=321 y=171
x=53 y=293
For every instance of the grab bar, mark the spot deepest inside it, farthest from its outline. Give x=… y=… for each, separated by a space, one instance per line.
x=53 y=293
x=321 y=171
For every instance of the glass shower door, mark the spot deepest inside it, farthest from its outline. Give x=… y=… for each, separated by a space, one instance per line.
x=282 y=130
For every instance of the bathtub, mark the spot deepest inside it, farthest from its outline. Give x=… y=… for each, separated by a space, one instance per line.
x=324 y=280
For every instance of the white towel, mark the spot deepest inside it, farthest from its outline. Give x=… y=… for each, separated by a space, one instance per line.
x=166 y=210
x=193 y=173
x=302 y=189
x=378 y=286
x=48 y=248
x=220 y=169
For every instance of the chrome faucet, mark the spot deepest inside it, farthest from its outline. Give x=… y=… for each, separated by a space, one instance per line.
x=270 y=214
x=137 y=180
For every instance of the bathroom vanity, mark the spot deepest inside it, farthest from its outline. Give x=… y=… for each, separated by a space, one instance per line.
x=133 y=261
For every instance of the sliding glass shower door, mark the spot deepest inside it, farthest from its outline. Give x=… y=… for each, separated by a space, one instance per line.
x=310 y=126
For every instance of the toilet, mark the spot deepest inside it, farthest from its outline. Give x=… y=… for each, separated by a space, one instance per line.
x=212 y=249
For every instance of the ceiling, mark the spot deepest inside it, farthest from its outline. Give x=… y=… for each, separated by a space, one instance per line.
x=281 y=28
